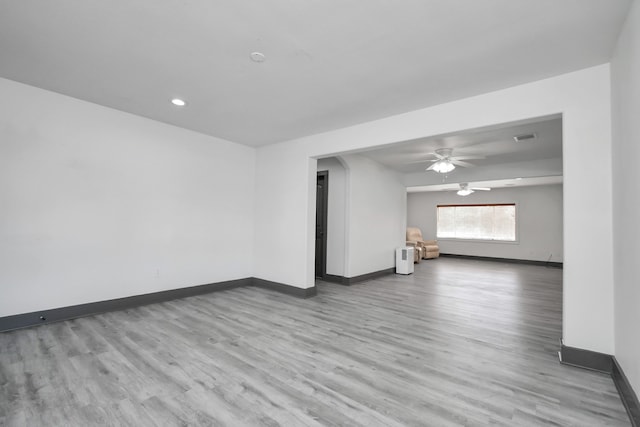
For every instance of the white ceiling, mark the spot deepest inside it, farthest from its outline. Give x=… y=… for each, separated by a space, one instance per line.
x=501 y=161
x=495 y=144
x=329 y=64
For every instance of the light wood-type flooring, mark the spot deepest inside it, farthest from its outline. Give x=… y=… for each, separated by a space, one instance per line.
x=459 y=342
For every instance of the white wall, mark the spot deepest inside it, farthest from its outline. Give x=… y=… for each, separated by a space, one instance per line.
x=97 y=204
x=625 y=68
x=377 y=215
x=583 y=97
x=285 y=214
x=538 y=221
x=366 y=215
x=336 y=215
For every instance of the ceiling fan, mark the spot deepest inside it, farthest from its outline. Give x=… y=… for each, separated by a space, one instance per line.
x=465 y=190
x=445 y=162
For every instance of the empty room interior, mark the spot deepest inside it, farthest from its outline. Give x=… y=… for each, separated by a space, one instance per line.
x=315 y=213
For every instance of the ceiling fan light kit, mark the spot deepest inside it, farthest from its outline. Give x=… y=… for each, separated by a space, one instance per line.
x=443 y=166
x=445 y=162
x=465 y=190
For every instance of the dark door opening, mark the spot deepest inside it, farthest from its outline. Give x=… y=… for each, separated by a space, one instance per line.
x=322 y=187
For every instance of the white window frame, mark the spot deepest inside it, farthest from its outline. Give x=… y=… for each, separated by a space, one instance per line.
x=470 y=240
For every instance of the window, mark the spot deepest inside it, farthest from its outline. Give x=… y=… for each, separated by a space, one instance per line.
x=483 y=222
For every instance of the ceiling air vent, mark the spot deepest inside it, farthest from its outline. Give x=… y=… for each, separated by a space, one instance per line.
x=520 y=138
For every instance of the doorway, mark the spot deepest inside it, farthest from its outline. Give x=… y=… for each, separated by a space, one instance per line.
x=322 y=192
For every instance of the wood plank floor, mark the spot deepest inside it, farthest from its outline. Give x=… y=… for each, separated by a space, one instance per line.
x=459 y=342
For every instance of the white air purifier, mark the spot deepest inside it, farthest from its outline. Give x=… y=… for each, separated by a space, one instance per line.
x=404 y=260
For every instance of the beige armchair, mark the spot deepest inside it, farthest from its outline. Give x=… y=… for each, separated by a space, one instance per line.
x=429 y=248
x=417 y=252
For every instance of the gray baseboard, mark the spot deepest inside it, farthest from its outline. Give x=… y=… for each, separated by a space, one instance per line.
x=332 y=278
x=369 y=276
x=348 y=281
x=285 y=289
x=509 y=260
x=628 y=396
x=586 y=359
x=25 y=320
x=608 y=364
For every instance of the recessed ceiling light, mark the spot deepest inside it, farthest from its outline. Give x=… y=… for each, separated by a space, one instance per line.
x=178 y=102
x=257 y=57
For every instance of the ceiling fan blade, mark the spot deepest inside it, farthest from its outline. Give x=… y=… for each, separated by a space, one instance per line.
x=420 y=161
x=463 y=164
x=481 y=188
x=430 y=168
x=468 y=158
